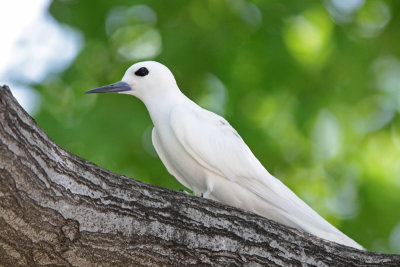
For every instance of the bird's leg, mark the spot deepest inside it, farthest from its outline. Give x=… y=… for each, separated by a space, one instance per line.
x=209 y=190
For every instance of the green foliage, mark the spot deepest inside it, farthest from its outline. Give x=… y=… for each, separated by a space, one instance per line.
x=314 y=91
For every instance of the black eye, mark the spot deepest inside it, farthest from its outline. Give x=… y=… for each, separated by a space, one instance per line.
x=142 y=72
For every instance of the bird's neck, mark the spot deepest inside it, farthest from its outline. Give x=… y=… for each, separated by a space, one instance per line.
x=160 y=106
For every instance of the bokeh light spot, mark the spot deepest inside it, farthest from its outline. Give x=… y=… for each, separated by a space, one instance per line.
x=326 y=136
x=380 y=158
x=394 y=239
x=342 y=11
x=372 y=114
x=120 y=16
x=214 y=96
x=308 y=36
x=133 y=33
x=372 y=18
x=248 y=12
x=137 y=42
x=387 y=74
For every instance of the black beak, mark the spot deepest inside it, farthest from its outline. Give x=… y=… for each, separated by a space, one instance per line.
x=111 y=88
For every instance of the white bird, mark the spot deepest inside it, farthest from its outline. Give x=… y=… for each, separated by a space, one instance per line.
x=206 y=154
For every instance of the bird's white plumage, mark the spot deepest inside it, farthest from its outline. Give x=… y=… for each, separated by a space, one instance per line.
x=204 y=152
x=221 y=154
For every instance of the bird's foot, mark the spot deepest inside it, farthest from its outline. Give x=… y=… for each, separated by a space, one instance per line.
x=184 y=191
x=205 y=194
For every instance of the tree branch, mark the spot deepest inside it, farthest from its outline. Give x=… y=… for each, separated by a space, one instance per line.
x=56 y=208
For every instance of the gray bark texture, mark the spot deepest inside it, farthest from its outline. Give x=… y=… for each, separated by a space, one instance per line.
x=59 y=209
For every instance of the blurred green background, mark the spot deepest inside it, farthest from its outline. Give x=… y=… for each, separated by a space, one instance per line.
x=313 y=87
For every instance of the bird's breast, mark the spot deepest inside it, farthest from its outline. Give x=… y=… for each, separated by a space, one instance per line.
x=178 y=161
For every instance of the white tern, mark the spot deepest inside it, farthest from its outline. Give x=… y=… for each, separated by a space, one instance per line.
x=206 y=154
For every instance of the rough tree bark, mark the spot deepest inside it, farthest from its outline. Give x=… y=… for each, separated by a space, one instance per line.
x=59 y=209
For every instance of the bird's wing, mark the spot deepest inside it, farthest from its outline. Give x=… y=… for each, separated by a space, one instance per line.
x=215 y=145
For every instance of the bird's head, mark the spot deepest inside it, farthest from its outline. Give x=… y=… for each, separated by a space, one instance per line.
x=143 y=79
